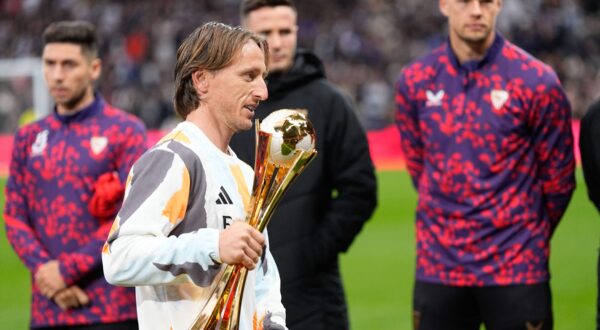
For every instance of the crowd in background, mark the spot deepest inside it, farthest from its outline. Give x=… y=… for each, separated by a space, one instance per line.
x=363 y=43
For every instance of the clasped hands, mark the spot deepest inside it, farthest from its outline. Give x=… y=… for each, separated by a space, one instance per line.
x=51 y=284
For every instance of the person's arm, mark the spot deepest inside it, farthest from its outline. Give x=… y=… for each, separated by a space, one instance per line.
x=19 y=227
x=407 y=121
x=589 y=145
x=75 y=265
x=140 y=249
x=553 y=143
x=350 y=168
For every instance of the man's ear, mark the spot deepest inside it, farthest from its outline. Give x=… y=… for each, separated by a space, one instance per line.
x=443 y=9
x=95 y=68
x=200 y=80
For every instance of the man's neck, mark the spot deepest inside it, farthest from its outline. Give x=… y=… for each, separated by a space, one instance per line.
x=65 y=110
x=217 y=134
x=470 y=51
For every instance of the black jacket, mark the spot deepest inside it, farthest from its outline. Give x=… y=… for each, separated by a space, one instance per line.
x=326 y=207
x=589 y=145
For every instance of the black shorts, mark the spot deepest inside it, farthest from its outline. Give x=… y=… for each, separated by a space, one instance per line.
x=442 y=307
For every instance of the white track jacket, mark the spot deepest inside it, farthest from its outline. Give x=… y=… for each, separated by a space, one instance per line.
x=165 y=239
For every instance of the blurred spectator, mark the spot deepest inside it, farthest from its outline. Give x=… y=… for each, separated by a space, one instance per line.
x=363 y=43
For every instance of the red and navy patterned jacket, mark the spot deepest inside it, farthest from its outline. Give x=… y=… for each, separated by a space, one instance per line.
x=55 y=162
x=489 y=147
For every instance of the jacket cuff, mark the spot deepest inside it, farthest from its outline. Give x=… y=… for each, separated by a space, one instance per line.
x=72 y=268
x=212 y=238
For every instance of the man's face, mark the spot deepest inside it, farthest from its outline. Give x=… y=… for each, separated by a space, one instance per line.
x=471 y=21
x=233 y=93
x=278 y=25
x=70 y=75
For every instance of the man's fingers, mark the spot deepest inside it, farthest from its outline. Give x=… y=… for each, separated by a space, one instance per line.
x=41 y=284
x=258 y=237
x=248 y=263
x=61 y=304
x=80 y=295
x=72 y=300
x=256 y=247
x=37 y=278
x=253 y=243
x=253 y=252
x=62 y=300
x=51 y=292
x=47 y=290
x=249 y=257
x=71 y=297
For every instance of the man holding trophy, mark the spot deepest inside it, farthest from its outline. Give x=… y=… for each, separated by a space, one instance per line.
x=180 y=236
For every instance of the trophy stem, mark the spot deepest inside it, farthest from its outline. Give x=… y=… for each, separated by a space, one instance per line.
x=225 y=315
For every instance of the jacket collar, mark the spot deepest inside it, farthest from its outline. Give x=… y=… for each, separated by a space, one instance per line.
x=489 y=57
x=306 y=68
x=90 y=111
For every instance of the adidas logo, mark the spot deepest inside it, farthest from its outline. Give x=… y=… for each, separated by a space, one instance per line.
x=224 y=197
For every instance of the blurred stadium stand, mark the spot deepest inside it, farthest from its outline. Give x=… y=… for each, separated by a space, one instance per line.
x=364 y=44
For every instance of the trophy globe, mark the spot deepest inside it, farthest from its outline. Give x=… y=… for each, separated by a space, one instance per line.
x=291 y=132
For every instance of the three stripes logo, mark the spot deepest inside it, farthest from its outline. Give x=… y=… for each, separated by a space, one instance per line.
x=224 y=198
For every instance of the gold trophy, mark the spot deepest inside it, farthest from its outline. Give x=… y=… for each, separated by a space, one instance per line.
x=285 y=144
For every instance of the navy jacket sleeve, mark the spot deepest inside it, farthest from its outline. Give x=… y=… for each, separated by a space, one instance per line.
x=355 y=189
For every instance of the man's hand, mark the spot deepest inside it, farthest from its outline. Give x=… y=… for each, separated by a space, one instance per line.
x=48 y=279
x=71 y=297
x=242 y=244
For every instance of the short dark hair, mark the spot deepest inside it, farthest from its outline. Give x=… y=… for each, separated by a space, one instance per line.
x=81 y=33
x=212 y=46
x=248 y=6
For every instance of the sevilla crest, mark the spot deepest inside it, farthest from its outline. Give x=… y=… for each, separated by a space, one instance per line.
x=498 y=97
x=98 y=144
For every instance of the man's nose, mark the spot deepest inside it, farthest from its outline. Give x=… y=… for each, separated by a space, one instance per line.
x=261 y=90
x=274 y=41
x=475 y=8
x=56 y=72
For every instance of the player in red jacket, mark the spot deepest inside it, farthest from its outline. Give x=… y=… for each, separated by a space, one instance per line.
x=66 y=183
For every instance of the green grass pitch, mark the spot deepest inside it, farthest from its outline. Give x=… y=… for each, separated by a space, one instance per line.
x=378 y=268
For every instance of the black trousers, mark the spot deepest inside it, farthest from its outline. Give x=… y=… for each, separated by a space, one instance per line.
x=442 y=307
x=126 y=325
